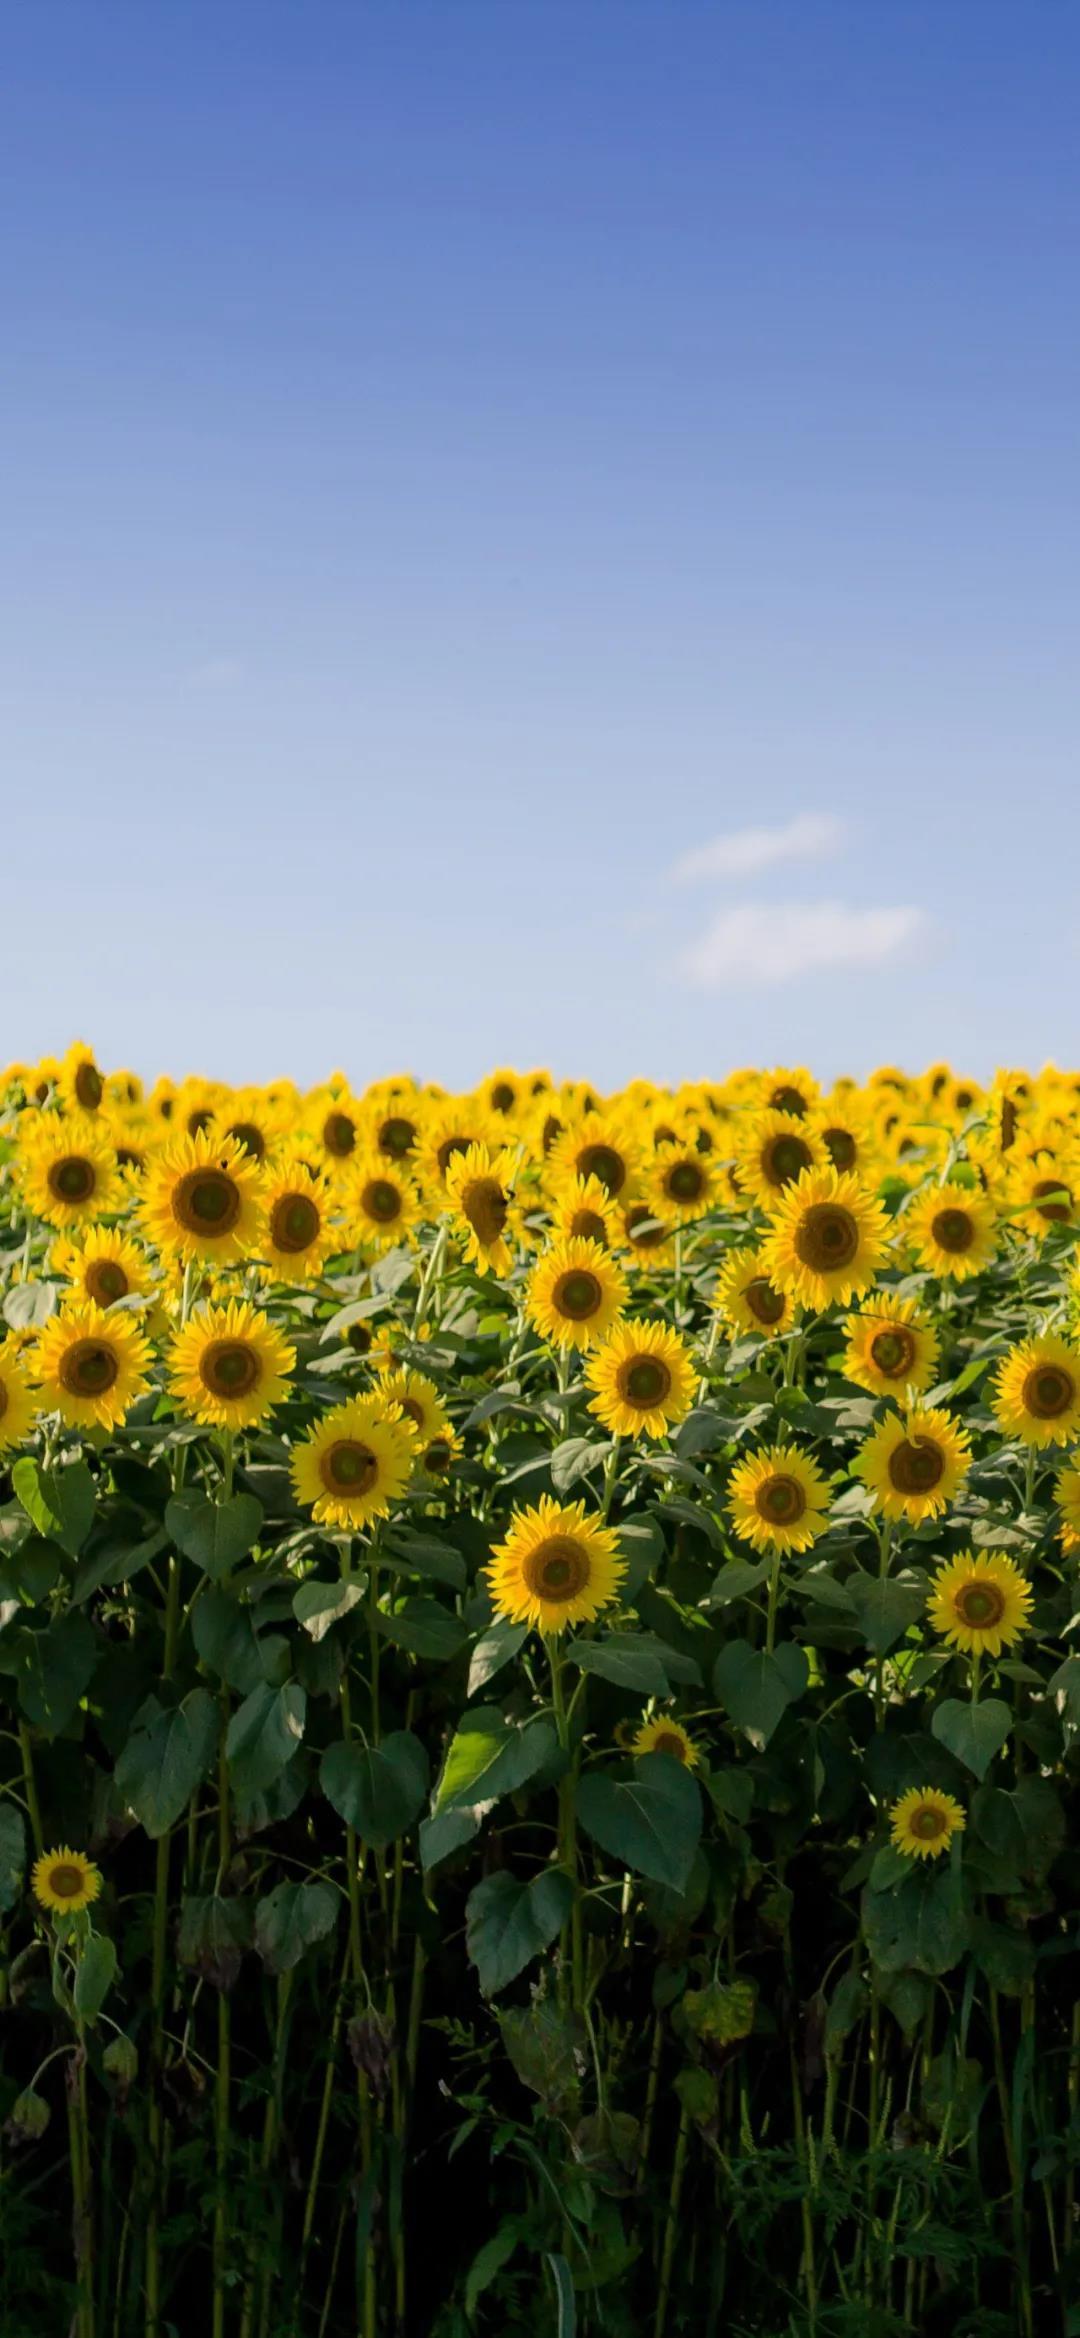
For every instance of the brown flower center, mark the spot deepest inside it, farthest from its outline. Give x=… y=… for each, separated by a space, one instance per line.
x=206 y=1202
x=437 y=1457
x=841 y=1147
x=979 y=1605
x=916 y=1466
x=198 y=1120
x=1009 y=1119
x=339 y=1134
x=685 y=1182
x=645 y=1381
x=826 y=1238
x=953 y=1230
x=928 y=1823
x=766 y=1304
x=250 y=1137
x=486 y=1207
x=359 y=1336
x=89 y=1368
x=1058 y=1212
x=642 y=1229
x=502 y=1096
x=347 y=1467
x=448 y=1149
x=294 y=1223
x=557 y=1570
x=1048 y=1391
x=229 y=1368
x=66 y=1882
x=72 y=1179
x=667 y=1742
x=397 y=1136
x=603 y=1163
x=381 y=1200
x=89 y=1086
x=893 y=1352
x=785 y=1158
x=590 y=1227
x=788 y=1100
x=578 y=1295
x=105 y=1280
x=781 y=1500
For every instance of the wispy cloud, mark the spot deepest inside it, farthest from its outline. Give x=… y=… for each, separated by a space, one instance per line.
x=763 y=943
x=745 y=852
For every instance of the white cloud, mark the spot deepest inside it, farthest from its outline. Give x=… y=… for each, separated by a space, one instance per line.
x=745 y=852
x=763 y=943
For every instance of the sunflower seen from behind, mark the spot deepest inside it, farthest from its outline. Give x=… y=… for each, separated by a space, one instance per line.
x=980 y=1605
x=559 y=1565
x=891 y=1346
x=827 y=1239
x=91 y=1365
x=1036 y=1392
x=642 y=1380
x=575 y=1294
x=778 y=1500
x=229 y=1365
x=923 y=1822
x=355 y=1463
x=914 y=1463
x=202 y=1200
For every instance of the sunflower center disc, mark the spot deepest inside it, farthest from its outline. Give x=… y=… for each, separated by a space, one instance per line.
x=73 y=1179
x=1057 y=1211
x=446 y=1152
x=893 y=1352
x=486 y=1208
x=840 y=1147
x=668 y=1743
x=437 y=1457
x=953 y=1231
x=382 y=1200
x=106 y=1281
x=207 y=1202
x=557 y=1570
x=788 y=1100
x=980 y=1604
x=578 y=1295
x=66 y=1882
x=397 y=1137
x=250 y=1137
x=603 y=1163
x=763 y=1301
x=686 y=1182
x=294 y=1222
x=929 y=1824
x=588 y=1226
x=502 y=1096
x=349 y=1467
x=781 y=1500
x=339 y=1134
x=647 y=1382
x=1048 y=1392
x=89 y=1086
x=916 y=1466
x=641 y=1216
x=89 y=1368
x=786 y=1159
x=230 y=1368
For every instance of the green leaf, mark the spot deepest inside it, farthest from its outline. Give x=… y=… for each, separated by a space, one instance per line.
x=318 y=1606
x=922 y=1925
x=423 y=1554
x=214 y=1535
x=290 y=1918
x=489 y=1756
x=885 y=1608
x=94 y=1976
x=577 y=1458
x=425 y=1629
x=166 y=1757
x=55 y=1668
x=114 y=1559
x=27 y=1306
x=223 y=1629
x=974 y=1733
x=12 y=1855
x=213 y=1935
x=494 y=1649
x=651 y=1822
x=446 y=1833
x=509 y=1923
x=32 y=1571
x=756 y=1688
x=264 y=1735
x=378 y=1789
x=59 y=1502
x=622 y=1659
x=736 y=1580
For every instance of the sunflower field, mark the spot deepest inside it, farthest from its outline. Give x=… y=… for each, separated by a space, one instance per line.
x=539 y=1707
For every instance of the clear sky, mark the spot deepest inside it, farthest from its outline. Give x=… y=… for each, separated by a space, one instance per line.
x=467 y=465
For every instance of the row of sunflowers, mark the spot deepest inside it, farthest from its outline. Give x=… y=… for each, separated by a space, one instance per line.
x=568 y=1599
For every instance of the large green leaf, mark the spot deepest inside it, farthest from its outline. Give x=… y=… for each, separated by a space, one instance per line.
x=885 y=1608
x=167 y=1756
x=425 y=1629
x=59 y=1502
x=215 y=1535
x=974 y=1733
x=622 y=1659
x=94 y=1976
x=508 y=1923
x=223 y=1629
x=290 y=1918
x=652 y=1821
x=213 y=1934
x=756 y=1687
x=55 y=1668
x=922 y=1924
x=378 y=1789
x=12 y=1854
x=318 y=1606
x=263 y=1736
x=489 y=1756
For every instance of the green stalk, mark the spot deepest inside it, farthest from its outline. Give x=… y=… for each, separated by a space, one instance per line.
x=220 y=2256
x=671 y=2226
x=315 y=2169
x=365 y=2302
x=158 y=1959
x=567 y=1827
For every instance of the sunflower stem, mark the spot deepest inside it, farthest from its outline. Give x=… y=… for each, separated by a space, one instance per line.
x=611 y=1471
x=774 y=1601
x=567 y=1826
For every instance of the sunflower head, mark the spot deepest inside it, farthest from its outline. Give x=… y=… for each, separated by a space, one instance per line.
x=19 y=1406
x=229 y=1366
x=381 y=1201
x=64 y=1882
x=924 y=1821
x=575 y=1293
x=203 y=1200
x=827 y=1239
x=479 y=1192
x=891 y=1346
x=953 y=1230
x=68 y=1168
x=772 y=1150
x=1036 y=1393
x=642 y=1380
x=356 y=1461
x=980 y=1604
x=682 y=1183
x=90 y=1363
x=594 y=1144
x=299 y=1206
x=915 y=1462
x=665 y=1735
x=557 y=1566
x=582 y=1209
x=778 y=1499
x=748 y=1301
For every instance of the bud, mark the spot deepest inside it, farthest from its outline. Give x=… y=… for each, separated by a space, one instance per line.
x=29 y=2118
x=121 y=2060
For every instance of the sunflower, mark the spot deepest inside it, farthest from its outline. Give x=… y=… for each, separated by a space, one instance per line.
x=914 y=1463
x=642 y=1379
x=91 y=1363
x=1043 y=1191
x=504 y=1092
x=891 y=1346
x=596 y=1145
x=827 y=1239
x=19 y=1407
x=778 y=1499
x=355 y=1462
x=229 y=1366
x=575 y=1294
x=747 y=1300
x=924 y=1821
x=80 y=1085
x=381 y=1201
x=479 y=1186
x=558 y=1566
x=666 y=1736
x=772 y=1151
x=447 y=1135
x=395 y=1131
x=253 y=1120
x=1067 y=1497
x=682 y=1183
x=583 y=1209
x=643 y=1233
x=1036 y=1392
x=952 y=1230
x=68 y=1169
x=65 y=1881
x=103 y=1265
x=783 y=1090
x=334 y=1117
x=419 y=1400
x=299 y=1205
x=436 y=1458
x=980 y=1605
x=203 y=1200
x=845 y=1129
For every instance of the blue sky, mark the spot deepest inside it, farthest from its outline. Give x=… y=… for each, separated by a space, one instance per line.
x=465 y=466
